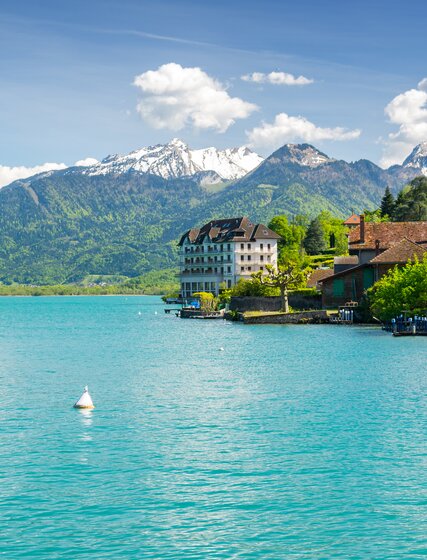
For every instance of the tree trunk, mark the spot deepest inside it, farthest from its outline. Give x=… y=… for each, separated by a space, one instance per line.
x=285 y=303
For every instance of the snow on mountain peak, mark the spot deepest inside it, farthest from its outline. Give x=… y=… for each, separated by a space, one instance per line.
x=304 y=155
x=418 y=158
x=176 y=159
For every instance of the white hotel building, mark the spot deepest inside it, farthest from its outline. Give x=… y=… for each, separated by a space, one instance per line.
x=224 y=251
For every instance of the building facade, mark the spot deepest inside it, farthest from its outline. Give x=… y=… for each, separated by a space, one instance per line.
x=222 y=252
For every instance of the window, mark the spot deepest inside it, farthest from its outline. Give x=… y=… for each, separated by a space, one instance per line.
x=228 y=283
x=269 y=246
x=261 y=268
x=261 y=258
x=249 y=257
x=242 y=258
x=228 y=247
x=249 y=268
x=242 y=246
x=228 y=268
x=338 y=287
x=242 y=268
x=249 y=246
x=261 y=246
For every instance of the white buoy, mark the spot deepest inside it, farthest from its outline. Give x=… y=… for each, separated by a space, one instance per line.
x=85 y=401
x=221 y=349
x=139 y=313
x=155 y=313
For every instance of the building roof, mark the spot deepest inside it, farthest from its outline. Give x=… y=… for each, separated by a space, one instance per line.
x=353 y=220
x=232 y=229
x=318 y=275
x=387 y=233
x=400 y=252
x=351 y=259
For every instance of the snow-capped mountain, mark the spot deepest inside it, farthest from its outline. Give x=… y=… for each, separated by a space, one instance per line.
x=176 y=159
x=304 y=155
x=418 y=158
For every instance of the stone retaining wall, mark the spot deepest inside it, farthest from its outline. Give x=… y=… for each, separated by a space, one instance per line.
x=304 y=317
x=274 y=303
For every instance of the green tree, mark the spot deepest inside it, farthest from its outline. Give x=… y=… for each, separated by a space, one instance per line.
x=387 y=203
x=208 y=301
x=251 y=288
x=284 y=278
x=375 y=216
x=292 y=235
x=399 y=290
x=411 y=202
x=314 y=242
x=335 y=232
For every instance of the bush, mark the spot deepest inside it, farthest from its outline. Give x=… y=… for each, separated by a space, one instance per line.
x=401 y=289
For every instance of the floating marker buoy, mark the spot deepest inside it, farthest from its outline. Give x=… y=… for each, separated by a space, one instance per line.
x=85 y=401
x=221 y=349
x=155 y=313
x=139 y=313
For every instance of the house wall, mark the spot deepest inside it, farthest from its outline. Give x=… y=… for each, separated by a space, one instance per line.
x=347 y=287
x=364 y=255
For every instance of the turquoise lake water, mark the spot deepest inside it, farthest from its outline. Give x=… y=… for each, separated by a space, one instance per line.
x=305 y=442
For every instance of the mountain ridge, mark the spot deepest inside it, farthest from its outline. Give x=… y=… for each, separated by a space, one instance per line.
x=60 y=226
x=175 y=160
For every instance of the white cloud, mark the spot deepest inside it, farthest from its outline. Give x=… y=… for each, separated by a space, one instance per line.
x=408 y=110
x=9 y=174
x=86 y=162
x=174 y=97
x=277 y=78
x=286 y=129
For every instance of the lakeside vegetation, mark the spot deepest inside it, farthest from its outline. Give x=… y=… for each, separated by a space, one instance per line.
x=401 y=289
x=152 y=283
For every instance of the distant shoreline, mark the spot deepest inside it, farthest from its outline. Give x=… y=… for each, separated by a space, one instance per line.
x=77 y=295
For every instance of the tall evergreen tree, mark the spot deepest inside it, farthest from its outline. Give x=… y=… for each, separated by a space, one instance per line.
x=314 y=242
x=411 y=202
x=387 y=203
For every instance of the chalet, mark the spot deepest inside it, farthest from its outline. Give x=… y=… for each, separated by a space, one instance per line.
x=373 y=248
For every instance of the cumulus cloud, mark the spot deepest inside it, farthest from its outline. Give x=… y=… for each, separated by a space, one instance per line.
x=277 y=78
x=87 y=162
x=286 y=129
x=174 y=97
x=9 y=174
x=408 y=110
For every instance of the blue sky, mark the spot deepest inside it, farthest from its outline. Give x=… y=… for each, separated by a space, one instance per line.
x=68 y=71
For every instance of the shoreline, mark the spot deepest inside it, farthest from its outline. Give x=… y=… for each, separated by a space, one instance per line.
x=77 y=295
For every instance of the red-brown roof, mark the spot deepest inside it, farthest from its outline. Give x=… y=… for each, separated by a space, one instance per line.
x=400 y=252
x=353 y=220
x=387 y=233
x=318 y=275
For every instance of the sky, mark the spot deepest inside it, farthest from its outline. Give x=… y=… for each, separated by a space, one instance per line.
x=85 y=79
